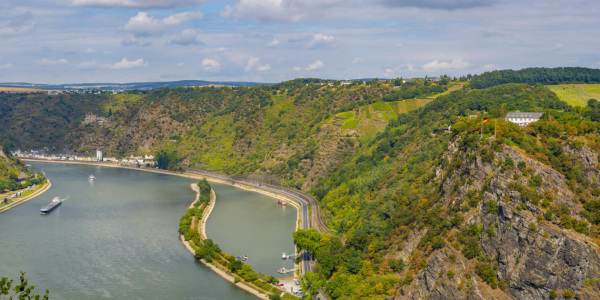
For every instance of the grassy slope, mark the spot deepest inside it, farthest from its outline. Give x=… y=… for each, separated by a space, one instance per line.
x=373 y=118
x=576 y=94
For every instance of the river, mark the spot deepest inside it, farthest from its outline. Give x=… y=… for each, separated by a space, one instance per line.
x=117 y=237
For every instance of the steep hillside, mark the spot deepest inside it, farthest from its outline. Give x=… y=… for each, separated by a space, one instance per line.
x=285 y=131
x=488 y=210
x=38 y=120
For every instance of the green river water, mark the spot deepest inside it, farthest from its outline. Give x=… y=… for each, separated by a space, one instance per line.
x=117 y=237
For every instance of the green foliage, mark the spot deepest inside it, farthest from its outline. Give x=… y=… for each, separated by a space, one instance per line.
x=311 y=284
x=536 y=76
x=22 y=290
x=487 y=274
x=492 y=206
x=307 y=239
x=568 y=294
x=167 y=160
x=553 y=294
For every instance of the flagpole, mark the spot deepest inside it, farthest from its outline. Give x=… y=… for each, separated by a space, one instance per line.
x=481 y=129
x=495 y=128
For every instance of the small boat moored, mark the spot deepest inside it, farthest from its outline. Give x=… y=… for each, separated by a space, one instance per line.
x=46 y=209
x=281 y=202
x=92 y=178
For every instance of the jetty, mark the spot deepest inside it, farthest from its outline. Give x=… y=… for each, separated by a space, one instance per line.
x=285 y=271
x=286 y=256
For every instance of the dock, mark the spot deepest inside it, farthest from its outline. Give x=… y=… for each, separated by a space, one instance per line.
x=285 y=271
x=287 y=256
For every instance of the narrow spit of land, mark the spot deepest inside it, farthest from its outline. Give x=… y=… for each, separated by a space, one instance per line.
x=207 y=212
x=37 y=191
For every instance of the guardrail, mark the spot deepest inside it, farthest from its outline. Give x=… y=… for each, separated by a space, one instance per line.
x=301 y=197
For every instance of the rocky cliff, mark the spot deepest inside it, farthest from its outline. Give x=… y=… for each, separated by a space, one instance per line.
x=530 y=235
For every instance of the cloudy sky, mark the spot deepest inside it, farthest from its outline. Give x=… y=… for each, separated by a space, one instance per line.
x=81 y=41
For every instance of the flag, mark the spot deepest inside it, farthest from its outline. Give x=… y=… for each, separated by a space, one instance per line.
x=484 y=119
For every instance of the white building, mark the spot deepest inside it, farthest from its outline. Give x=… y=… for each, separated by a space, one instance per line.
x=98 y=155
x=523 y=118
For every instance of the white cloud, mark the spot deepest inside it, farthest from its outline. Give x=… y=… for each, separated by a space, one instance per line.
x=263 y=68
x=211 y=65
x=182 y=17
x=88 y=65
x=180 y=64
x=490 y=67
x=254 y=64
x=439 y=4
x=126 y=64
x=48 y=62
x=456 y=63
x=557 y=46
x=133 y=41
x=135 y=3
x=289 y=11
x=320 y=40
x=144 y=25
x=358 y=60
x=297 y=68
x=5 y=66
x=187 y=37
x=273 y=43
x=18 y=24
x=314 y=66
x=90 y=50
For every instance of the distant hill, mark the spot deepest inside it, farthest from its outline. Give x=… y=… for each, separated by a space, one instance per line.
x=127 y=86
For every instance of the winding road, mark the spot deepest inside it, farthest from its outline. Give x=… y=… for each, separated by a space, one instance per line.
x=305 y=201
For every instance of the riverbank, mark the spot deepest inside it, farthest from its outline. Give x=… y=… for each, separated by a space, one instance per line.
x=201 y=228
x=224 y=273
x=39 y=191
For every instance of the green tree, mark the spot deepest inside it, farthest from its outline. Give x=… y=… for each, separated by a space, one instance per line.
x=307 y=239
x=311 y=284
x=22 y=291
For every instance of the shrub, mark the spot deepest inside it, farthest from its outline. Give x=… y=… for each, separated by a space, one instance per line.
x=487 y=274
x=568 y=294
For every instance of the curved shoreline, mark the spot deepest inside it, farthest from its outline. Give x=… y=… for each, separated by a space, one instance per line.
x=202 y=229
x=39 y=192
x=206 y=213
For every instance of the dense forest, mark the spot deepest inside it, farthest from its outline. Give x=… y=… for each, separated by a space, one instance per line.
x=532 y=76
x=282 y=131
x=38 y=120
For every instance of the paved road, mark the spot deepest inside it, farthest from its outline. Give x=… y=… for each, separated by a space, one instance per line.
x=303 y=199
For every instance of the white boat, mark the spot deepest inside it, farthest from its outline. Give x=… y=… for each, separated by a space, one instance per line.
x=46 y=209
x=92 y=178
x=283 y=256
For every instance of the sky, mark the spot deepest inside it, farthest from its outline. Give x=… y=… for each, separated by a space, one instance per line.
x=119 y=41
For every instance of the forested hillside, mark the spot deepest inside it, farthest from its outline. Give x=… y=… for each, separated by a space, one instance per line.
x=37 y=120
x=487 y=210
x=546 y=76
x=287 y=131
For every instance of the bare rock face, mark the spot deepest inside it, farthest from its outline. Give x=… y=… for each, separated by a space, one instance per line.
x=530 y=255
